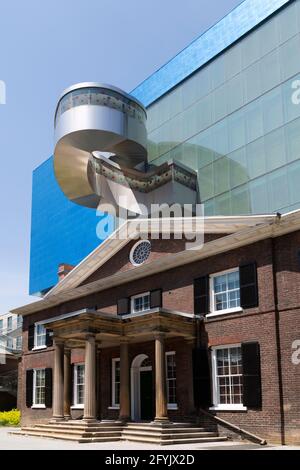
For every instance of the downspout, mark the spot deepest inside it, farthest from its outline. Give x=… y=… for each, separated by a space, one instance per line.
x=277 y=333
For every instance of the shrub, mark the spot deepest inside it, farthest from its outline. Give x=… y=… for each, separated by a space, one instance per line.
x=10 y=418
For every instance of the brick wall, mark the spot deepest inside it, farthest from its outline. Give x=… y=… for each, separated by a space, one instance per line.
x=257 y=324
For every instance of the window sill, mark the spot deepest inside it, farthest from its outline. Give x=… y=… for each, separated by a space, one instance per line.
x=228 y=408
x=77 y=407
x=38 y=407
x=172 y=406
x=224 y=312
x=113 y=407
x=37 y=348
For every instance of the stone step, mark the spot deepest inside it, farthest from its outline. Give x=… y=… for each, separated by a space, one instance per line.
x=151 y=440
x=170 y=435
x=81 y=428
x=66 y=437
x=160 y=430
x=73 y=432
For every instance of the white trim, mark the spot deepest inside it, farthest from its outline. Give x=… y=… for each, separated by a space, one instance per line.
x=213 y=311
x=224 y=312
x=41 y=346
x=220 y=406
x=135 y=377
x=37 y=348
x=38 y=407
x=115 y=407
x=76 y=405
x=137 y=296
x=34 y=404
x=228 y=408
x=133 y=250
x=171 y=406
x=113 y=382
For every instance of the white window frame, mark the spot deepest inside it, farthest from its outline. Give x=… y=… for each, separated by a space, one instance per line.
x=114 y=405
x=213 y=311
x=76 y=405
x=9 y=320
x=222 y=406
x=10 y=343
x=19 y=340
x=171 y=406
x=34 y=404
x=42 y=346
x=132 y=299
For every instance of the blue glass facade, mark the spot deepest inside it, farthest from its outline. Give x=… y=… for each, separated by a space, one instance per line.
x=230 y=118
x=61 y=232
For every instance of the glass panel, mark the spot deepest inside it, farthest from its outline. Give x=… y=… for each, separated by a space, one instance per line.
x=275 y=149
x=273 y=110
x=292 y=139
x=223 y=204
x=206 y=182
x=250 y=49
x=287 y=23
x=254 y=120
x=259 y=196
x=291 y=99
x=289 y=55
x=253 y=82
x=220 y=102
x=256 y=158
x=236 y=131
x=294 y=179
x=270 y=71
x=269 y=37
x=278 y=189
x=235 y=93
x=221 y=175
x=233 y=61
x=240 y=201
x=238 y=167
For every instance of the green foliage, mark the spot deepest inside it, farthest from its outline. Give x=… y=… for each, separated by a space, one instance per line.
x=10 y=418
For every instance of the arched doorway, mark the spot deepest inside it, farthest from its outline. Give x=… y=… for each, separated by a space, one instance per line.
x=141 y=389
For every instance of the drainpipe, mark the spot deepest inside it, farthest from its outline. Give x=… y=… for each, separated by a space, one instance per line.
x=277 y=333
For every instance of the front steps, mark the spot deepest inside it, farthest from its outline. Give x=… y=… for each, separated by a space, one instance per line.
x=168 y=434
x=151 y=433
x=76 y=431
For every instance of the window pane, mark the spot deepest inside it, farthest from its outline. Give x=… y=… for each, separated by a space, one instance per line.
x=229 y=375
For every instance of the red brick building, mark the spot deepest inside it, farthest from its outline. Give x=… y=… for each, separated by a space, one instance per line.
x=146 y=330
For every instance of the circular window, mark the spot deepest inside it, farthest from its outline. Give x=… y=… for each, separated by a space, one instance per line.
x=140 y=252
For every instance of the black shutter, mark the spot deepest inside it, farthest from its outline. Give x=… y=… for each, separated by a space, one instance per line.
x=248 y=285
x=31 y=337
x=156 y=298
x=49 y=338
x=251 y=375
x=201 y=376
x=72 y=383
x=29 y=387
x=123 y=306
x=201 y=295
x=48 y=388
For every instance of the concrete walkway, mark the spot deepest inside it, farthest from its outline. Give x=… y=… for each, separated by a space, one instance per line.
x=13 y=442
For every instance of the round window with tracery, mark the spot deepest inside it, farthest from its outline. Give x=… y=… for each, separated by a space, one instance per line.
x=140 y=252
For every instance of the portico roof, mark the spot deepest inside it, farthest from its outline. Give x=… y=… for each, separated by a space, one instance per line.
x=110 y=329
x=240 y=231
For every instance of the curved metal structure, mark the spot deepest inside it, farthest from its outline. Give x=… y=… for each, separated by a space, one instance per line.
x=92 y=117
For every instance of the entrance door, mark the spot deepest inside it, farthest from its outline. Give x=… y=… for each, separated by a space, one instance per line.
x=146 y=395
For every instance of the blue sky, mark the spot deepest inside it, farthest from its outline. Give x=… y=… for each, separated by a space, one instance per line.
x=47 y=46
